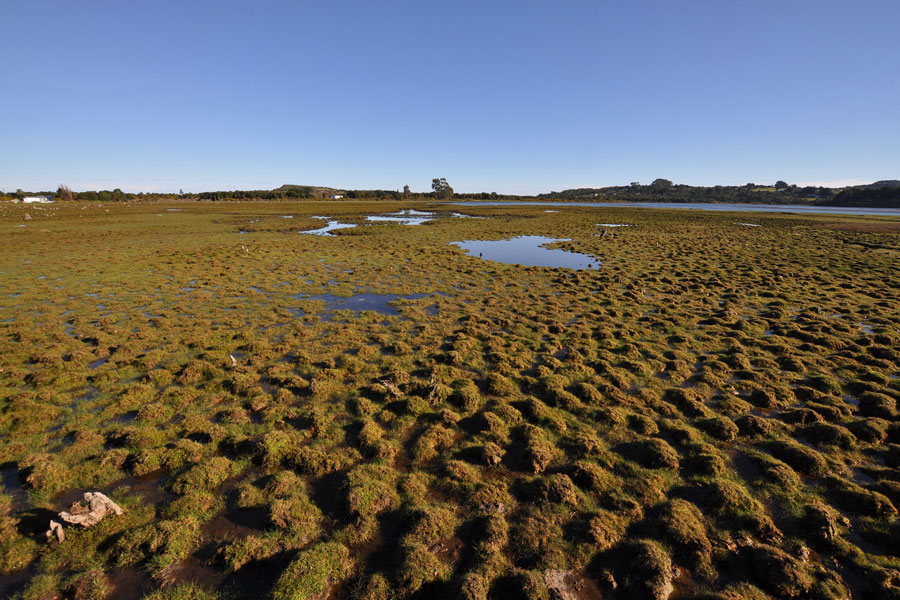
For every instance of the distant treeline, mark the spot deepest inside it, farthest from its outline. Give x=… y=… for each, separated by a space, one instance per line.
x=882 y=194
x=874 y=197
x=284 y=193
x=879 y=195
x=750 y=193
x=295 y=192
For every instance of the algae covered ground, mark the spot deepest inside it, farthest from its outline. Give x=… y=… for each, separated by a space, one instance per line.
x=711 y=413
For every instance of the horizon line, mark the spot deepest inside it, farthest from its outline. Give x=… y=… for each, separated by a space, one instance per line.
x=148 y=190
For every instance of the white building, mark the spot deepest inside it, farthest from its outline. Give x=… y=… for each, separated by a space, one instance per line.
x=37 y=200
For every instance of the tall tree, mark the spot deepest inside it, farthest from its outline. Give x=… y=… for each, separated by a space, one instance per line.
x=441 y=188
x=64 y=193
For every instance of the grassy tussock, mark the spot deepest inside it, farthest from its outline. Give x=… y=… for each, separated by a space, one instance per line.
x=716 y=401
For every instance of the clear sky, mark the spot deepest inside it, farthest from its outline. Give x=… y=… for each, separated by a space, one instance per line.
x=517 y=97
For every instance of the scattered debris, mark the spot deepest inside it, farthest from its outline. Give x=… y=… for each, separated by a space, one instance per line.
x=433 y=393
x=563 y=585
x=233 y=360
x=391 y=387
x=56 y=529
x=98 y=506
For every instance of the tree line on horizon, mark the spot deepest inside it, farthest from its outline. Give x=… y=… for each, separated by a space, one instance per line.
x=884 y=194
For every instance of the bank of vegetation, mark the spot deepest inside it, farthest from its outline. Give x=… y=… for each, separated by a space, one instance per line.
x=711 y=414
x=882 y=194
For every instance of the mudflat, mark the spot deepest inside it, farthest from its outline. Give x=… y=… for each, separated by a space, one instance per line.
x=710 y=410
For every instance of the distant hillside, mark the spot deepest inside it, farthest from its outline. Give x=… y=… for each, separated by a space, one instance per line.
x=881 y=194
x=284 y=192
x=308 y=191
x=750 y=193
x=889 y=183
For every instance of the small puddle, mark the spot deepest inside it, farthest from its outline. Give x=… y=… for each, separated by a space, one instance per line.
x=128 y=582
x=11 y=584
x=529 y=251
x=90 y=393
x=12 y=486
x=98 y=363
x=380 y=303
x=750 y=224
x=415 y=217
x=404 y=217
x=330 y=225
x=613 y=225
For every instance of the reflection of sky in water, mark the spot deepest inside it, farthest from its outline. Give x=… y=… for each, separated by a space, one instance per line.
x=779 y=208
x=529 y=251
x=404 y=217
x=412 y=217
x=379 y=303
x=330 y=226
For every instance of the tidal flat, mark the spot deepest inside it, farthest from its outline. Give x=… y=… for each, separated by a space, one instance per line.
x=709 y=412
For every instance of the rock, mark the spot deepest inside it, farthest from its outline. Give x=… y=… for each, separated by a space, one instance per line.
x=98 y=506
x=492 y=454
x=566 y=585
x=27 y=217
x=56 y=529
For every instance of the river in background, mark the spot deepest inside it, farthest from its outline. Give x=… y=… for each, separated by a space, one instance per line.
x=772 y=208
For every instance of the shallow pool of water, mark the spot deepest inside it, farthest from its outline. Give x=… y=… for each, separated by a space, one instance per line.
x=380 y=303
x=330 y=225
x=413 y=217
x=98 y=363
x=404 y=217
x=529 y=251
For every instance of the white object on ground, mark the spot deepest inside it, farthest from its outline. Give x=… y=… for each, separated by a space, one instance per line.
x=98 y=506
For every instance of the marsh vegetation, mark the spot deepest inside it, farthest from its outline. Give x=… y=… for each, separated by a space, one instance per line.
x=709 y=412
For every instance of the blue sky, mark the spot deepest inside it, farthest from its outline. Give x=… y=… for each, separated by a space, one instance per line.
x=515 y=97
